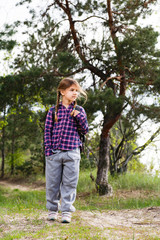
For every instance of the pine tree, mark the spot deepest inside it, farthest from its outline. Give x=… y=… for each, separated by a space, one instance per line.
x=103 y=38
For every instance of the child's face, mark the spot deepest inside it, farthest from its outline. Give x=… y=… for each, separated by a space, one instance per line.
x=70 y=94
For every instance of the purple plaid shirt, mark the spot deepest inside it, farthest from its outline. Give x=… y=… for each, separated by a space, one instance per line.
x=64 y=135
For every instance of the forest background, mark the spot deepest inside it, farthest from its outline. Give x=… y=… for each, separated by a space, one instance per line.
x=118 y=65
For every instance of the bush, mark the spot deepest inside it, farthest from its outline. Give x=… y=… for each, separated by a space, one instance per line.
x=87 y=163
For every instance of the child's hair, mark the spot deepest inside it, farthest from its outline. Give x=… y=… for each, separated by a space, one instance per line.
x=64 y=84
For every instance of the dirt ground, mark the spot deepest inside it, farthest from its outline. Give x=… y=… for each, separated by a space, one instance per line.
x=129 y=224
x=135 y=224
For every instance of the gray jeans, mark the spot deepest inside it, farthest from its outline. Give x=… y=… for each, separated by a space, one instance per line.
x=62 y=173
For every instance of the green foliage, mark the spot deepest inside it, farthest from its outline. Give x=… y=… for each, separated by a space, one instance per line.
x=87 y=163
x=27 y=168
x=136 y=166
x=90 y=156
x=157 y=82
x=95 y=102
x=23 y=1
x=47 y=49
x=8 y=45
x=5 y=35
x=3 y=123
x=139 y=54
x=21 y=132
x=123 y=143
x=103 y=101
x=131 y=10
x=18 y=157
x=63 y=58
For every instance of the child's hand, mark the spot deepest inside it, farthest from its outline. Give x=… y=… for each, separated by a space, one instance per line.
x=75 y=113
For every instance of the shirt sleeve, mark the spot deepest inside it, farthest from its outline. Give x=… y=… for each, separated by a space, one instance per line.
x=81 y=119
x=48 y=132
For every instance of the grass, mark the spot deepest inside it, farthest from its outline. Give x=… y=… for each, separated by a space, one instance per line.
x=114 y=203
x=136 y=181
x=128 y=181
x=88 y=199
x=146 y=185
x=15 y=200
x=131 y=191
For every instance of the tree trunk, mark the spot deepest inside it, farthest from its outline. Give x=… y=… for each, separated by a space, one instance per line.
x=13 y=147
x=12 y=158
x=43 y=158
x=3 y=146
x=102 y=185
x=3 y=156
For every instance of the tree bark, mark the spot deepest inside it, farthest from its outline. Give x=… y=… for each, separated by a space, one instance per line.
x=103 y=166
x=43 y=158
x=3 y=156
x=3 y=147
x=12 y=157
x=13 y=147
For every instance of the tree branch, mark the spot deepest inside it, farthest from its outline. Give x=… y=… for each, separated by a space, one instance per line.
x=138 y=150
x=78 y=47
x=44 y=14
x=130 y=80
x=118 y=78
x=115 y=42
x=56 y=73
x=89 y=18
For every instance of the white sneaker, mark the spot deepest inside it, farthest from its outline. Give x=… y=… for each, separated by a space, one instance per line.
x=66 y=217
x=52 y=215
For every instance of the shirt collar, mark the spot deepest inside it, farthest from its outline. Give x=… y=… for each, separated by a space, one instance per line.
x=71 y=105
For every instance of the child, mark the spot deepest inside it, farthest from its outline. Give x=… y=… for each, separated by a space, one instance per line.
x=62 y=149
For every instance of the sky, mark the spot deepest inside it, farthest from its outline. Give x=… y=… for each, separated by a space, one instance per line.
x=9 y=13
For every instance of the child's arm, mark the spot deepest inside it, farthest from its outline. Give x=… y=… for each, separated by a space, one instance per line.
x=48 y=133
x=81 y=119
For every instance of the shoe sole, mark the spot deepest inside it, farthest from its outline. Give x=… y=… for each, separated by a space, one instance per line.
x=52 y=219
x=65 y=221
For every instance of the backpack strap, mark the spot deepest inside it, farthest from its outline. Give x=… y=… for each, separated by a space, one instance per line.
x=53 y=115
x=78 y=108
x=82 y=136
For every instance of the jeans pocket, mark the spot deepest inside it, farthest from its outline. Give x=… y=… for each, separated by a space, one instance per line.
x=74 y=154
x=49 y=158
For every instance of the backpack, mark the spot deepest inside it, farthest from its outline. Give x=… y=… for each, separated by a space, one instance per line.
x=82 y=136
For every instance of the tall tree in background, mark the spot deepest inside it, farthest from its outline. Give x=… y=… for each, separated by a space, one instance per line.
x=6 y=44
x=18 y=94
x=103 y=39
